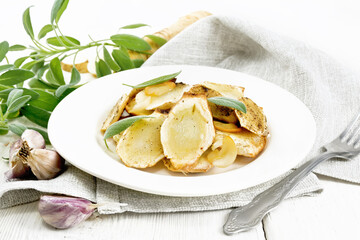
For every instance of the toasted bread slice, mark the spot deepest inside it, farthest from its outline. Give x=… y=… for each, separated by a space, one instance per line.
x=254 y=119
x=116 y=112
x=219 y=112
x=188 y=131
x=139 y=145
x=248 y=144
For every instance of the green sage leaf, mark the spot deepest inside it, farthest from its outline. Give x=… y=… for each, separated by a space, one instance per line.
x=20 y=61
x=122 y=59
x=46 y=100
x=108 y=59
x=38 y=83
x=29 y=65
x=4 y=48
x=121 y=125
x=18 y=103
x=136 y=25
x=75 y=76
x=17 y=47
x=6 y=67
x=61 y=90
x=3 y=87
x=138 y=62
x=14 y=94
x=131 y=42
x=57 y=10
x=4 y=94
x=156 y=39
x=228 y=102
x=55 y=68
x=27 y=23
x=102 y=69
x=55 y=41
x=36 y=115
x=155 y=81
x=15 y=76
x=45 y=30
x=17 y=128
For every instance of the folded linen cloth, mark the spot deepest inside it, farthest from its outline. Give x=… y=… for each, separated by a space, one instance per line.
x=326 y=87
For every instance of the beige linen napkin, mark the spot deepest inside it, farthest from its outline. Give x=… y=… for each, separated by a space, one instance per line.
x=329 y=89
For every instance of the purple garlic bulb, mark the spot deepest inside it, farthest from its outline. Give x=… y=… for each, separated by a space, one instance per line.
x=64 y=212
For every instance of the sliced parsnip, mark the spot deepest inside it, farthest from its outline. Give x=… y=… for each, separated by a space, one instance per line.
x=169 y=99
x=254 y=119
x=226 y=90
x=226 y=127
x=188 y=131
x=138 y=104
x=201 y=165
x=116 y=112
x=248 y=144
x=140 y=146
x=159 y=89
x=224 y=155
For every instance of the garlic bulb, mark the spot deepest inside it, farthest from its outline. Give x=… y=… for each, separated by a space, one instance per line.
x=45 y=164
x=28 y=153
x=64 y=212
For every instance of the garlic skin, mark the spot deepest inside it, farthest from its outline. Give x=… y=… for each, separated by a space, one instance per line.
x=33 y=138
x=64 y=212
x=45 y=164
x=18 y=168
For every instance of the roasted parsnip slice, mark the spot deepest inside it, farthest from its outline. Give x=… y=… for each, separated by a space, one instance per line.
x=138 y=104
x=201 y=165
x=159 y=89
x=188 y=131
x=140 y=146
x=226 y=90
x=224 y=155
x=226 y=127
x=116 y=112
x=248 y=144
x=254 y=119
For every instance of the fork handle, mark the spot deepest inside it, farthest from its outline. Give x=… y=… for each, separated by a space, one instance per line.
x=248 y=216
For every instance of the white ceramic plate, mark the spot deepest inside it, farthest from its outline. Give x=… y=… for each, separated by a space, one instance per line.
x=74 y=132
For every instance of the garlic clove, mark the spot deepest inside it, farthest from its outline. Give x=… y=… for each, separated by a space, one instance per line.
x=33 y=138
x=18 y=167
x=45 y=164
x=64 y=212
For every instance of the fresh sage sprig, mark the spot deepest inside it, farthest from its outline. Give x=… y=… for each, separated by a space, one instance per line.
x=155 y=81
x=40 y=66
x=228 y=102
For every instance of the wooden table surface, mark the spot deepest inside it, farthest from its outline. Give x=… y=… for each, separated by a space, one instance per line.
x=331 y=26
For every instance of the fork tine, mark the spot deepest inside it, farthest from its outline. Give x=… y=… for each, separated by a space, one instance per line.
x=351 y=125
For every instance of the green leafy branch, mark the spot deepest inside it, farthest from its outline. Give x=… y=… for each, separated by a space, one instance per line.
x=41 y=68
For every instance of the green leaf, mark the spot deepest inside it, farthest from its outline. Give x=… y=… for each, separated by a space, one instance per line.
x=14 y=94
x=155 y=81
x=67 y=92
x=27 y=23
x=41 y=71
x=156 y=39
x=45 y=30
x=17 y=128
x=102 y=69
x=131 y=42
x=6 y=67
x=108 y=59
x=36 y=115
x=29 y=65
x=122 y=59
x=4 y=94
x=4 y=48
x=228 y=102
x=138 y=62
x=17 y=47
x=55 y=68
x=75 y=76
x=4 y=130
x=61 y=90
x=121 y=125
x=37 y=66
x=132 y=26
x=18 y=103
x=15 y=76
x=46 y=100
x=20 y=61
x=38 y=83
x=55 y=41
x=57 y=10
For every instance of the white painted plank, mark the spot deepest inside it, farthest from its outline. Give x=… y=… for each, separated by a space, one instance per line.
x=24 y=222
x=333 y=215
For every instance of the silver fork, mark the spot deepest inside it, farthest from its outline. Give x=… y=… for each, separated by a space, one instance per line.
x=345 y=146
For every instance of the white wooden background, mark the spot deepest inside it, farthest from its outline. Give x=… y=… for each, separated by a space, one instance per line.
x=332 y=26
